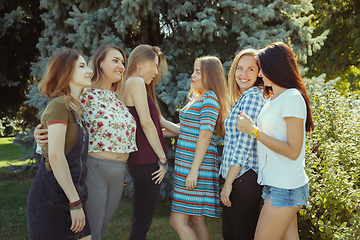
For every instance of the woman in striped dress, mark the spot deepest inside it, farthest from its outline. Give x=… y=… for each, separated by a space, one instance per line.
x=196 y=184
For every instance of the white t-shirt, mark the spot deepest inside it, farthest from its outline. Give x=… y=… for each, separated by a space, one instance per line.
x=274 y=169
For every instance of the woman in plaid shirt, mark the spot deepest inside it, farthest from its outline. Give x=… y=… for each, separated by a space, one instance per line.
x=241 y=193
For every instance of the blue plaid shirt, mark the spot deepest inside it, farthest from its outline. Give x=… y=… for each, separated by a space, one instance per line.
x=239 y=148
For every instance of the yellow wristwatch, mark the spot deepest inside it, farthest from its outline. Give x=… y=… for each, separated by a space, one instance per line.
x=254 y=132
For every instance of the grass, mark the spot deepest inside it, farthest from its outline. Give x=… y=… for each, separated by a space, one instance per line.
x=14 y=187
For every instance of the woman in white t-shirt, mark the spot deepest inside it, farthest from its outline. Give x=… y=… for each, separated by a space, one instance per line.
x=282 y=124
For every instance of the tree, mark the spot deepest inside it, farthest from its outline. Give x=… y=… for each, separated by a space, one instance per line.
x=340 y=56
x=184 y=30
x=20 y=28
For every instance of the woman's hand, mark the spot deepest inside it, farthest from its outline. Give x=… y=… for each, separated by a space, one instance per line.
x=40 y=135
x=245 y=124
x=159 y=175
x=225 y=195
x=191 y=179
x=78 y=220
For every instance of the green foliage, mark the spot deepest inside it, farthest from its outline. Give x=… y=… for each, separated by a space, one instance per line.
x=340 y=56
x=183 y=30
x=333 y=165
x=20 y=28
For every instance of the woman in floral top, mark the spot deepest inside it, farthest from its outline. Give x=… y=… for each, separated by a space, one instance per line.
x=110 y=124
x=112 y=136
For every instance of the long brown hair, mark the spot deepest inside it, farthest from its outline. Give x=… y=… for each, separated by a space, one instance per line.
x=234 y=89
x=279 y=65
x=98 y=75
x=56 y=81
x=213 y=78
x=144 y=53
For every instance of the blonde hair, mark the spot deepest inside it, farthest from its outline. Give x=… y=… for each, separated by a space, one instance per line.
x=213 y=78
x=144 y=53
x=98 y=75
x=56 y=81
x=235 y=92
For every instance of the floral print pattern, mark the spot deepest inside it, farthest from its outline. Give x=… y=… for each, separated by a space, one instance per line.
x=112 y=127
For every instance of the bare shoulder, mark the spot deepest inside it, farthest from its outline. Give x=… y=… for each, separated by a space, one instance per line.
x=135 y=81
x=134 y=87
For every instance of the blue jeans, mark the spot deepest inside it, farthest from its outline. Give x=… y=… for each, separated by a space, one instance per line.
x=280 y=197
x=146 y=195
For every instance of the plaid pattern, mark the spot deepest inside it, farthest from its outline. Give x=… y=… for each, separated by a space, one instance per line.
x=239 y=148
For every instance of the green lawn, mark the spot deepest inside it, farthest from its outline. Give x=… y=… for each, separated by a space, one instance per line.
x=14 y=187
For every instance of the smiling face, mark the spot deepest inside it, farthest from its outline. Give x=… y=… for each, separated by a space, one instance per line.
x=149 y=69
x=81 y=76
x=246 y=72
x=113 y=66
x=196 y=82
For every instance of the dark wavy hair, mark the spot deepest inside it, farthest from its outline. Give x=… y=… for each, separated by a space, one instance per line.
x=279 y=65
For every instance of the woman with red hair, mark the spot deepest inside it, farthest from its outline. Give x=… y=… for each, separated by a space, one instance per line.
x=55 y=207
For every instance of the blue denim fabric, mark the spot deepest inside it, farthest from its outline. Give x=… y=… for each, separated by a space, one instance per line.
x=280 y=197
x=48 y=211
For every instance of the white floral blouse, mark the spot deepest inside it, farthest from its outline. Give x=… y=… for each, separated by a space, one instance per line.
x=110 y=124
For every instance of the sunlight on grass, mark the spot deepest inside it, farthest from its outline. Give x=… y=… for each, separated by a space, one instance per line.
x=10 y=154
x=15 y=185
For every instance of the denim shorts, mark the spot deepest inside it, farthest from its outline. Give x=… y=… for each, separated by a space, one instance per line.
x=280 y=197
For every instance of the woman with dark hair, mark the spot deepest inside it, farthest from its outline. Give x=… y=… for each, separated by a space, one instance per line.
x=112 y=136
x=196 y=183
x=55 y=202
x=282 y=124
x=241 y=194
x=147 y=167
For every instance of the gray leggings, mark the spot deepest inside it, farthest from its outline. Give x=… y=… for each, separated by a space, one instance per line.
x=105 y=183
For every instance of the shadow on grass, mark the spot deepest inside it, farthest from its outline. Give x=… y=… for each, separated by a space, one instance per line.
x=14 y=188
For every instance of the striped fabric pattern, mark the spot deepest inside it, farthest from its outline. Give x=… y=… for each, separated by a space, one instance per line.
x=204 y=199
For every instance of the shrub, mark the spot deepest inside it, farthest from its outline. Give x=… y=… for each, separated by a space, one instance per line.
x=333 y=166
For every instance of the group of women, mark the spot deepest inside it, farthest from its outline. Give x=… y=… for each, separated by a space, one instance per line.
x=81 y=175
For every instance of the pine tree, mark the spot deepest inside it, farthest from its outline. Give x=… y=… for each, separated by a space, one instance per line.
x=183 y=30
x=20 y=28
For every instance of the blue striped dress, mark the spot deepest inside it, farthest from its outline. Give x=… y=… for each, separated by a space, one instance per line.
x=204 y=199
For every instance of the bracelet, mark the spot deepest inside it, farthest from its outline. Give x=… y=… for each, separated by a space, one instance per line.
x=74 y=204
x=76 y=207
x=161 y=164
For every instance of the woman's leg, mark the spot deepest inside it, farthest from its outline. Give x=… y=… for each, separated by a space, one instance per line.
x=181 y=224
x=292 y=233
x=146 y=195
x=274 y=221
x=116 y=173
x=239 y=220
x=199 y=225
x=97 y=193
